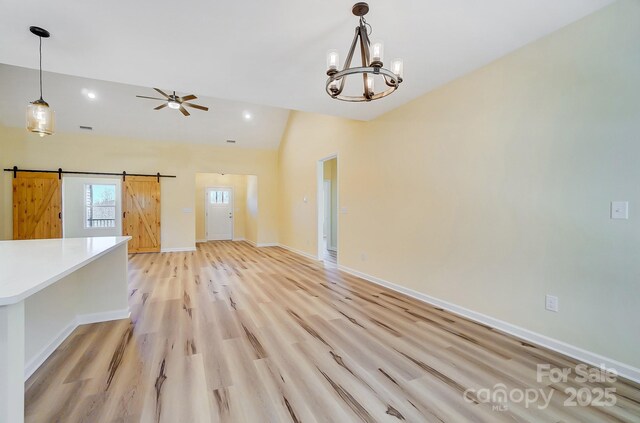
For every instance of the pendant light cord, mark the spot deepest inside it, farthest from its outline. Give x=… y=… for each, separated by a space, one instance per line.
x=40 y=49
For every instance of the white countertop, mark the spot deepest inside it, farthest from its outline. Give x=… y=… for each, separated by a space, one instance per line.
x=29 y=266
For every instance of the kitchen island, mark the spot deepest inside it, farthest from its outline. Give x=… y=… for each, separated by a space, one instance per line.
x=48 y=288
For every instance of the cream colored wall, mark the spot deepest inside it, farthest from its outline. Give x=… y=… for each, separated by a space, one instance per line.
x=239 y=185
x=494 y=190
x=251 y=213
x=307 y=139
x=96 y=153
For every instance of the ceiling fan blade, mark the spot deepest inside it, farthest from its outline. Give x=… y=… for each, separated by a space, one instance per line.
x=196 y=106
x=151 y=98
x=162 y=106
x=188 y=97
x=161 y=92
x=184 y=111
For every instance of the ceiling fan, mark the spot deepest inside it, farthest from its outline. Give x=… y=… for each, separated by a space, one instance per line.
x=175 y=102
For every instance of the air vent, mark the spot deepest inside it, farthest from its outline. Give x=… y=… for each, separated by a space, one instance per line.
x=86 y=128
x=231 y=141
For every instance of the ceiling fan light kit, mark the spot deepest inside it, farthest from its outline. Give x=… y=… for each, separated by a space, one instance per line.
x=372 y=65
x=175 y=102
x=40 y=117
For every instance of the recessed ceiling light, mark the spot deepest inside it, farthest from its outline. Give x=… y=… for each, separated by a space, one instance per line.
x=91 y=95
x=247 y=115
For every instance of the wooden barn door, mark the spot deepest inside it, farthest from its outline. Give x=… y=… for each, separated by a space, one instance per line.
x=37 y=206
x=141 y=213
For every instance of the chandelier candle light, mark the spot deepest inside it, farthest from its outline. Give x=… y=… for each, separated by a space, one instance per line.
x=372 y=65
x=40 y=117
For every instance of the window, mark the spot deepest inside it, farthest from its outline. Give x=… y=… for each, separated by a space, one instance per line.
x=100 y=206
x=218 y=197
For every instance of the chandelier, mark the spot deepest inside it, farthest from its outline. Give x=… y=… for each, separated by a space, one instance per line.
x=40 y=117
x=372 y=62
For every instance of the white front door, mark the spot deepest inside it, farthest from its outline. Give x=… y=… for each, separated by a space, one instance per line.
x=219 y=213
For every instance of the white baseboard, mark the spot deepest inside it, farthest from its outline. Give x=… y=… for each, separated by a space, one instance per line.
x=178 y=250
x=262 y=244
x=200 y=241
x=624 y=370
x=301 y=253
x=106 y=316
x=80 y=319
x=32 y=365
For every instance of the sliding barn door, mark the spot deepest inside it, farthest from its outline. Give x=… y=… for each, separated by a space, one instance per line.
x=141 y=213
x=37 y=206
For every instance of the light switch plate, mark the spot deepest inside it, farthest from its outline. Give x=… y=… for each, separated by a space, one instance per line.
x=551 y=303
x=620 y=210
x=186 y=210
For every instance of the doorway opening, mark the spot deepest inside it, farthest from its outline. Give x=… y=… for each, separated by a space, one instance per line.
x=328 y=210
x=226 y=207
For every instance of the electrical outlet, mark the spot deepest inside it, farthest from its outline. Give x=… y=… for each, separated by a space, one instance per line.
x=619 y=209
x=551 y=303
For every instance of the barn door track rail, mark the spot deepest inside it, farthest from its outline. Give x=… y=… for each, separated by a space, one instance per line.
x=60 y=172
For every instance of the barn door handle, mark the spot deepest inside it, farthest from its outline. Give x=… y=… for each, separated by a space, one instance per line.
x=123 y=214
x=59 y=215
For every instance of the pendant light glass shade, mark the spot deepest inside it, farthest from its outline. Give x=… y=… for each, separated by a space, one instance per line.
x=397 y=67
x=333 y=60
x=377 y=52
x=40 y=118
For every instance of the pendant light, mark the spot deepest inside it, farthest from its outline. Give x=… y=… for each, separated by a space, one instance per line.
x=40 y=117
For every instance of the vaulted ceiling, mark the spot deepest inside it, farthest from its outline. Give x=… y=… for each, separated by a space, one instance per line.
x=272 y=53
x=115 y=111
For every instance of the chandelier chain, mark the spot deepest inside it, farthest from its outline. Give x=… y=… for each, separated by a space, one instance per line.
x=364 y=22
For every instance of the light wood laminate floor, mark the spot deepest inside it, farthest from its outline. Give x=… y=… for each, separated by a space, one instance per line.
x=234 y=333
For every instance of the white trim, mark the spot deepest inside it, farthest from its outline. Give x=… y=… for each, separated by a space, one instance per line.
x=578 y=353
x=80 y=319
x=178 y=250
x=200 y=241
x=32 y=365
x=105 y=316
x=301 y=253
x=320 y=201
x=335 y=250
x=263 y=244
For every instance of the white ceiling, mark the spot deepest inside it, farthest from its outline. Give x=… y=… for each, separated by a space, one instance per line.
x=273 y=52
x=116 y=111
